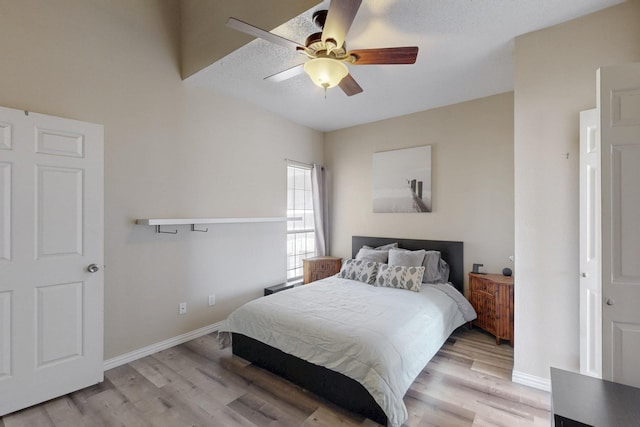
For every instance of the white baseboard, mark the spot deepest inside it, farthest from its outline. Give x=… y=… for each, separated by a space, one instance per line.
x=531 y=381
x=162 y=345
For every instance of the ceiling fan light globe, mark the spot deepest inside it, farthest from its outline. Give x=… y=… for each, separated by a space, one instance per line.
x=325 y=72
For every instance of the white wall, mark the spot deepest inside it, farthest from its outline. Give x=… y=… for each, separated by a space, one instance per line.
x=170 y=151
x=554 y=80
x=472 y=179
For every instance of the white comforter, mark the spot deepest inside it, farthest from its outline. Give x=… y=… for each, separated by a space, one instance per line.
x=380 y=337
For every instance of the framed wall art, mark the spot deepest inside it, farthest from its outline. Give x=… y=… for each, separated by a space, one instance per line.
x=402 y=180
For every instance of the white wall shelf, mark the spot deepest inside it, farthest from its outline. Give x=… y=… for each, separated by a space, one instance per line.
x=159 y=222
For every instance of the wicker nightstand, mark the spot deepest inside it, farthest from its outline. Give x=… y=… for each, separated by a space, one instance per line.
x=492 y=297
x=319 y=267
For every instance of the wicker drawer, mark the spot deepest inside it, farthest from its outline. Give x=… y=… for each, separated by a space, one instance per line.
x=482 y=285
x=317 y=268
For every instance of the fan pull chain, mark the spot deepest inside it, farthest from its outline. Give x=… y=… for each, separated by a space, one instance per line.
x=325 y=86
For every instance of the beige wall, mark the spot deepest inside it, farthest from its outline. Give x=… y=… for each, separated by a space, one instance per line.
x=170 y=151
x=173 y=150
x=472 y=176
x=555 y=79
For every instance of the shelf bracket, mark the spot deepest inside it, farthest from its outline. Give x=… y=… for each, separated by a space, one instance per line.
x=193 y=228
x=159 y=230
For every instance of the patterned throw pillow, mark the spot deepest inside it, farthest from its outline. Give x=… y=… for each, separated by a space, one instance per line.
x=401 y=277
x=360 y=270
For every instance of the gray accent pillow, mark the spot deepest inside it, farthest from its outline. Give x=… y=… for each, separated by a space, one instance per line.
x=436 y=269
x=406 y=257
x=400 y=277
x=360 y=270
x=444 y=271
x=386 y=247
x=376 y=255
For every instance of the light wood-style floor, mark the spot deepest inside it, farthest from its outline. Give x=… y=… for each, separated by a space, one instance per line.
x=197 y=384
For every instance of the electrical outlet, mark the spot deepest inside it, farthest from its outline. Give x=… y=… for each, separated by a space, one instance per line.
x=182 y=308
x=212 y=300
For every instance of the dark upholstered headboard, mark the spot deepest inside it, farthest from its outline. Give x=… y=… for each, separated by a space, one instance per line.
x=451 y=252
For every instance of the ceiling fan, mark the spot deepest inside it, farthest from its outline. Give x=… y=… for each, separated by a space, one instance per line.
x=327 y=51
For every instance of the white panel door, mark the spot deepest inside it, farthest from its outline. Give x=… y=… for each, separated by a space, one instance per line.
x=619 y=105
x=590 y=246
x=51 y=231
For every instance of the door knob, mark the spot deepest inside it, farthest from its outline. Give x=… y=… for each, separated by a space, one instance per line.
x=610 y=301
x=93 y=268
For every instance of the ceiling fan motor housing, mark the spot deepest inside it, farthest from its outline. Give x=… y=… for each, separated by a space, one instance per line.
x=328 y=48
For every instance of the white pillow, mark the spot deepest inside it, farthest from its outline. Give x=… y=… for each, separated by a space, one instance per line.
x=406 y=257
x=400 y=277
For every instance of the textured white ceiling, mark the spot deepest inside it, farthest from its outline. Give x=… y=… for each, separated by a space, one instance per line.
x=465 y=53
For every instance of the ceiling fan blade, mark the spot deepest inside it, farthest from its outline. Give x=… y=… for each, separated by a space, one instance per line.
x=388 y=55
x=242 y=26
x=339 y=19
x=349 y=85
x=286 y=74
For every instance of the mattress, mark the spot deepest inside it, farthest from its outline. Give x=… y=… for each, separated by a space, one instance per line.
x=380 y=337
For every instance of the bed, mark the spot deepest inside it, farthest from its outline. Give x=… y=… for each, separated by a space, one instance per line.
x=323 y=337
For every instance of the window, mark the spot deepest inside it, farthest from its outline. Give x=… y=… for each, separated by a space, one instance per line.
x=301 y=240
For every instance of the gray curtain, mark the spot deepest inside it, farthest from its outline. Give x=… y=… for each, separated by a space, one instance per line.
x=320 y=208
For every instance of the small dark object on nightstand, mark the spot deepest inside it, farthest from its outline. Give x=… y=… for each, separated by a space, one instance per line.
x=277 y=288
x=506 y=271
x=476 y=268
